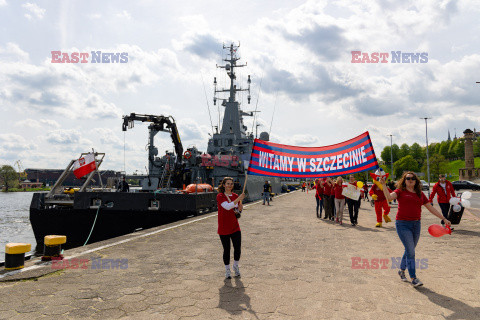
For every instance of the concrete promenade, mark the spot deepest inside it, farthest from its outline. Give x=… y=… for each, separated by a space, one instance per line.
x=294 y=266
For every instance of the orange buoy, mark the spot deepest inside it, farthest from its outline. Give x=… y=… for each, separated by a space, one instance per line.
x=201 y=187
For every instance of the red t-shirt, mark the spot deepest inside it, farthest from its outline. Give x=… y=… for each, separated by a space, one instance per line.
x=327 y=189
x=319 y=192
x=409 y=205
x=338 y=191
x=227 y=222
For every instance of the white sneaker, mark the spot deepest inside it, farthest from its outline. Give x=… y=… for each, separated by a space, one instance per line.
x=237 y=271
x=228 y=274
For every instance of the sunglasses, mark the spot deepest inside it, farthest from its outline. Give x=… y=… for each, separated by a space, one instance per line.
x=410 y=178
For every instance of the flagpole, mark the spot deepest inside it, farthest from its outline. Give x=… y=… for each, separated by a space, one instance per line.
x=245 y=183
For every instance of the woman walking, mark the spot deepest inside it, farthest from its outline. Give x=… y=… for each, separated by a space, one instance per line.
x=353 y=205
x=319 y=196
x=328 y=201
x=339 y=200
x=410 y=200
x=228 y=227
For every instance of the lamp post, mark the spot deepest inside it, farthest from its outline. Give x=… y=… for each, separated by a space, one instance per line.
x=428 y=163
x=391 y=155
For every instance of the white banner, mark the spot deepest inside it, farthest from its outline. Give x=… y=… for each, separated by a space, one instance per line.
x=350 y=191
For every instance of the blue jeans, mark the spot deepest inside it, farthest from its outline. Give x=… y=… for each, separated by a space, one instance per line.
x=409 y=233
x=266 y=196
x=319 y=205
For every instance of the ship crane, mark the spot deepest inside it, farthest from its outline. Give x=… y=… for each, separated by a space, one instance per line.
x=21 y=172
x=158 y=123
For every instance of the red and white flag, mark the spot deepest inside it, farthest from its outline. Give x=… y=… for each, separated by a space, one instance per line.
x=84 y=165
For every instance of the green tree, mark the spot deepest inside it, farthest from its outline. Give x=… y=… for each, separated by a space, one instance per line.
x=416 y=152
x=459 y=150
x=451 y=149
x=444 y=145
x=386 y=156
x=407 y=163
x=476 y=148
x=404 y=150
x=438 y=165
x=9 y=176
x=437 y=148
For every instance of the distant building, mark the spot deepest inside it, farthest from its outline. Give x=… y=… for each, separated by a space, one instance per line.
x=49 y=176
x=28 y=184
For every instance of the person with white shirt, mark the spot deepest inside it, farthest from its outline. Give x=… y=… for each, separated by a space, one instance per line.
x=229 y=204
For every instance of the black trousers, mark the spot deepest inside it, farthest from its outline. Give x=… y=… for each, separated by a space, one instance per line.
x=236 y=238
x=353 y=206
x=445 y=208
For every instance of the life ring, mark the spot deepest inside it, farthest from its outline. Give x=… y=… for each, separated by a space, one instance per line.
x=187 y=154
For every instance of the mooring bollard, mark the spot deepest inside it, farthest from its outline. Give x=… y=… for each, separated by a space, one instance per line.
x=15 y=255
x=52 y=247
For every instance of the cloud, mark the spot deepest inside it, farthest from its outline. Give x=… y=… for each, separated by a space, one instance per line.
x=94 y=16
x=110 y=139
x=324 y=41
x=124 y=15
x=35 y=11
x=62 y=136
x=203 y=45
x=15 y=142
x=3 y=3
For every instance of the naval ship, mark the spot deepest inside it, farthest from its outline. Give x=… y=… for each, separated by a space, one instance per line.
x=94 y=214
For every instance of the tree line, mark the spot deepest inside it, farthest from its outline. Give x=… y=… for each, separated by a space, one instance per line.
x=414 y=157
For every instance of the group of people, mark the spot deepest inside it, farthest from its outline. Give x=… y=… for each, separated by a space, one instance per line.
x=329 y=196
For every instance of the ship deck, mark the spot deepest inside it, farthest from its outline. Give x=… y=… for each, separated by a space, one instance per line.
x=294 y=266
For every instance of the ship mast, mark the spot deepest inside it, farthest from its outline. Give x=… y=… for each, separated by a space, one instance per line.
x=233 y=116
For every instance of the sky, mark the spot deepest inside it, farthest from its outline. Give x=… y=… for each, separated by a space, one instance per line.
x=298 y=53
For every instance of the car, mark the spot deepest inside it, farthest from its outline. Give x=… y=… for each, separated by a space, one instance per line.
x=465 y=184
x=425 y=185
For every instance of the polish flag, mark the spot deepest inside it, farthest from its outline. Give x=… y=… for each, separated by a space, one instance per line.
x=84 y=165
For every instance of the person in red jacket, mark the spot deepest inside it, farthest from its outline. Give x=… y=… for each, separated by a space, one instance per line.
x=381 y=204
x=328 y=198
x=444 y=191
x=319 y=196
x=228 y=227
x=339 y=200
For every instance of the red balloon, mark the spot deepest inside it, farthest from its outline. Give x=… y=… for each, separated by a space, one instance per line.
x=437 y=230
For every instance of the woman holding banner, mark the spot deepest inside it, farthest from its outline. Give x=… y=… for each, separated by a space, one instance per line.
x=353 y=205
x=339 y=200
x=328 y=199
x=228 y=227
x=319 y=196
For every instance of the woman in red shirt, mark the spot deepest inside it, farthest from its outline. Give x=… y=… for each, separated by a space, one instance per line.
x=410 y=200
x=319 y=196
x=339 y=200
x=228 y=227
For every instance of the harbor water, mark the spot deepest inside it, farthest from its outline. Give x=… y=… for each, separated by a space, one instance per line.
x=14 y=220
